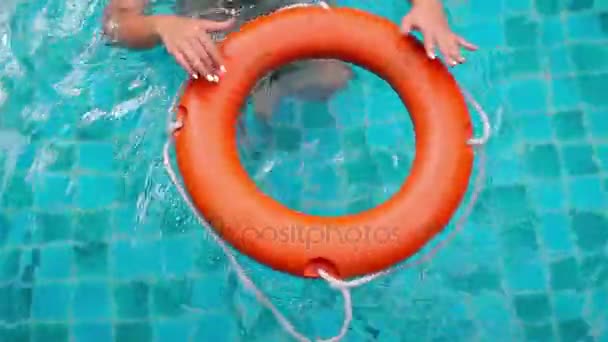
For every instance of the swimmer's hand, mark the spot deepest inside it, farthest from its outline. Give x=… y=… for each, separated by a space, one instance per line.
x=188 y=40
x=428 y=17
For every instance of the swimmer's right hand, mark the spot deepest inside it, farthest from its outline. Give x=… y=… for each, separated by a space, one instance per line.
x=188 y=40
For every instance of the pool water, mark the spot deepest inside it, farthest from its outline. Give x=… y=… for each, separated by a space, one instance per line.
x=96 y=245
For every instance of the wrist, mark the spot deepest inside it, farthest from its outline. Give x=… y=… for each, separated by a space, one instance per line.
x=155 y=23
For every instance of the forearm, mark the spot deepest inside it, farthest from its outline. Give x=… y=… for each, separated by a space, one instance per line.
x=126 y=24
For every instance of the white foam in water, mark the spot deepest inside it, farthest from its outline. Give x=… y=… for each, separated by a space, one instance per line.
x=11 y=144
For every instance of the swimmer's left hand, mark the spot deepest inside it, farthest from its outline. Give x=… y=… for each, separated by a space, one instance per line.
x=428 y=17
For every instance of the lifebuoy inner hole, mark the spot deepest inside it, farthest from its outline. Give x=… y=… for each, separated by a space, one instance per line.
x=333 y=158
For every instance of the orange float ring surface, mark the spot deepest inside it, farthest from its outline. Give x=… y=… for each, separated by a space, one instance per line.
x=292 y=241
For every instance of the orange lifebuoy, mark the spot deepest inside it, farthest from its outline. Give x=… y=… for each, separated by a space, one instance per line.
x=295 y=242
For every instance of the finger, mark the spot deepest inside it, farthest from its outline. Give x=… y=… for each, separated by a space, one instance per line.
x=429 y=45
x=217 y=26
x=446 y=52
x=406 y=24
x=203 y=56
x=194 y=60
x=466 y=44
x=453 y=50
x=183 y=61
x=216 y=59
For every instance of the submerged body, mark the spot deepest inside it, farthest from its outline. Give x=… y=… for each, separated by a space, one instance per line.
x=190 y=36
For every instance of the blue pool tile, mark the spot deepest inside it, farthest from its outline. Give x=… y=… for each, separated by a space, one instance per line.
x=517 y=6
x=131 y=300
x=326 y=143
x=552 y=32
x=51 y=302
x=63 y=157
x=583 y=27
x=494 y=309
x=55 y=262
x=316 y=115
x=574 y=330
x=535 y=127
x=487 y=8
x=539 y=332
x=19 y=307
x=96 y=156
x=547 y=196
x=603 y=16
x=96 y=191
x=580 y=5
x=602 y=155
x=92 y=301
x=349 y=106
x=565 y=274
x=522 y=62
x=569 y=125
x=18 y=193
x=136 y=259
x=559 y=62
x=555 y=233
x=599 y=296
x=92 y=226
x=507 y=172
x=592 y=87
x=217 y=327
x=526 y=276
x=543 y=161
x=547 y=7
x=9 y=264
x=91 y=259
x=598 y=123
x=327 y=321
x=49 y=332
x=52 y=228
x=486 y=35
x=209 y=292
x=19 y=332
x=286 y=138
x=322 y=183
x=565 y=93
x=532 y=308
x=507 y=204
x=132 y=331
x=521 y=31
x=178 y=254
x=170 y=296
x=590 y=230
x=527 y=95
x=579 y=160
x=589 y=57
x=53 y=191
x=384 y=136
x=587 y=194
x=173 y=330
x=568 y=305
x=92 y=332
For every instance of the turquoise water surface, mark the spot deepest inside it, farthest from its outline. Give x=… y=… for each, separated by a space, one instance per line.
x=96 y=245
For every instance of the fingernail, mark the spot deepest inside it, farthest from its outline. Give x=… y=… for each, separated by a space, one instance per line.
x=195 y=76
x=209 y=78
x=222 y=68
x=432 y=55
